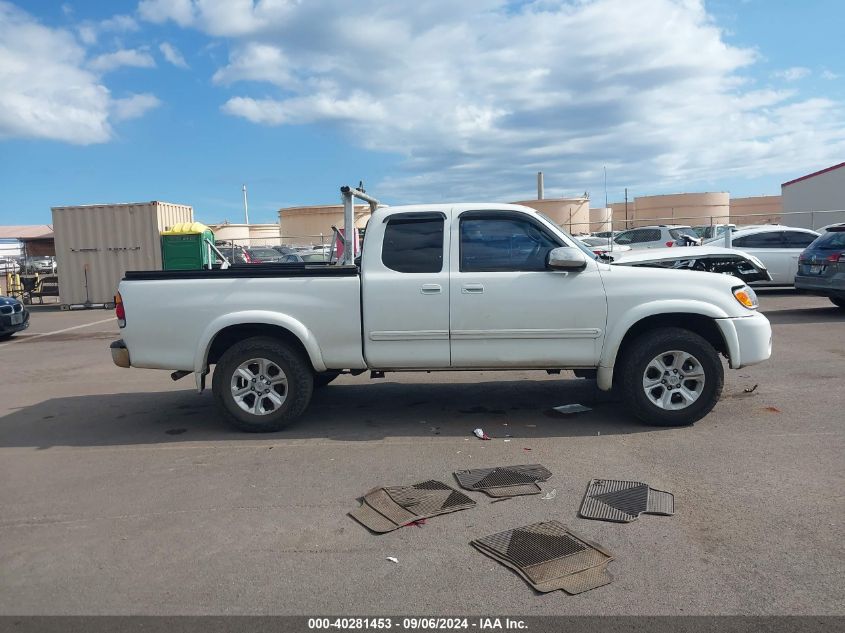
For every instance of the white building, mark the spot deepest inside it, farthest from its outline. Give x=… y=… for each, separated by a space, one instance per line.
x=816 y=195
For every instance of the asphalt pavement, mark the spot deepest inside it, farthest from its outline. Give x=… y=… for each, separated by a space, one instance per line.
x=125 y=493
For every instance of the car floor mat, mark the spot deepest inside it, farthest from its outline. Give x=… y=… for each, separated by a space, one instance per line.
x=504 y=481
x=386 y=509
x=624 y=501
x=549 y=556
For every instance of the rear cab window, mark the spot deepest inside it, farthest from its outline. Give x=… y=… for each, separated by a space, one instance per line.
x=413 y=243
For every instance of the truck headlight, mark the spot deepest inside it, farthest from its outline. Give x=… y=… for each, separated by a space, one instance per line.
x=747 y=297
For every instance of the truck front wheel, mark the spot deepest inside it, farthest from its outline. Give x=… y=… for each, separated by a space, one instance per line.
x=671 y=377
x=262 y=384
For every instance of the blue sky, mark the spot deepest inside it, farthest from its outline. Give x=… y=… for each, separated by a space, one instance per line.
x=185 y=100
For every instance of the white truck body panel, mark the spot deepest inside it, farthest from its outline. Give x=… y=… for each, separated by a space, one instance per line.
x=320 y=311
x=442 y=320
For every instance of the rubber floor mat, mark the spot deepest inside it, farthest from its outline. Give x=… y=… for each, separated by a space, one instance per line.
x=504 y=481
x=386 y=509
x=624 y=501
x=549 y=556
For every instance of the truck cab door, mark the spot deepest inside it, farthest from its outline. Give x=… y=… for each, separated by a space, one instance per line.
x=405 y=291
x=508 y=309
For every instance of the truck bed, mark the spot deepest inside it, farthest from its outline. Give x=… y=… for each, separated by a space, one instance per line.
x=244 y=271
x=172 y=317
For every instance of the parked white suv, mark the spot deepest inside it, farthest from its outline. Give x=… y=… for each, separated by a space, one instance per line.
x=657 y=236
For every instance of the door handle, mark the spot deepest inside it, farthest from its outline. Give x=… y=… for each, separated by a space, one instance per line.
x=472 y=289
x=431 y=289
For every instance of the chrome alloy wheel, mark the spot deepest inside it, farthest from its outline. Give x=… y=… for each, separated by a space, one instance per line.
x=259 y=386
x=673 y=380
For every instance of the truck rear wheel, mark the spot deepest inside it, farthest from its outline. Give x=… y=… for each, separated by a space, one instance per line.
x=262 y=384
x=671 y=377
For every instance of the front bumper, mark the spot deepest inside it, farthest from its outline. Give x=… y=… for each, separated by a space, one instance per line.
x=6 y=326
x=749 y=339
x=120 y=354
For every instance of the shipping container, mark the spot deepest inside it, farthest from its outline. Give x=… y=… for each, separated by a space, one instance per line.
x=96 y=244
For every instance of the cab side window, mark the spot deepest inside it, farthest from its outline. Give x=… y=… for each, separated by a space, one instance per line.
x=497 y=243
x=769 y=239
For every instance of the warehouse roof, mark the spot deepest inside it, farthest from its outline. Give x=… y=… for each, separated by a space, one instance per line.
x=24 y=232
x=814 y=174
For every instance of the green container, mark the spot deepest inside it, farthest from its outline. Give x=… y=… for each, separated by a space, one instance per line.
x=186 y=247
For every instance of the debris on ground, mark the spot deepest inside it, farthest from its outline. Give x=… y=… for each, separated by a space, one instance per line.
x=392 y=559
x=525 y=448
x=771 y=409
x=480 y=434
x=507 y=440
x=551 y=494
x=750 y=389
x=569 y=409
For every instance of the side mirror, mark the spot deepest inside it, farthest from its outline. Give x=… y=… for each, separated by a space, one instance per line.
x=566 y=258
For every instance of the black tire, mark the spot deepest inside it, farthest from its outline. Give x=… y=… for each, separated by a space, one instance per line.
x=297 y=394
x=324 y=378
x=7 y=336
x=839 y=302
x=648 y=347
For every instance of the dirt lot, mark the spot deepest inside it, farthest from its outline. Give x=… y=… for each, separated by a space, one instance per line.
x=123 y=492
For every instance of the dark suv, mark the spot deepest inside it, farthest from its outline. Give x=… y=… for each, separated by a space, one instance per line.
x=821 y=266
x=14 y=317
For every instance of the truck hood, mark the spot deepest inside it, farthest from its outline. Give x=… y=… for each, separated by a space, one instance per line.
x=701 y=292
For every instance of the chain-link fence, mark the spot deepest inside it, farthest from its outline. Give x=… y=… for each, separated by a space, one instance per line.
x=285 y=248
x=801 y=219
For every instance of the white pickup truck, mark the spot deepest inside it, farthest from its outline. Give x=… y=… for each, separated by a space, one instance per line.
x=447 y=287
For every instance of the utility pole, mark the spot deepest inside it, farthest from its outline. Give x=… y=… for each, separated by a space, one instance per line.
x=605 y=186
x=626 y=208
x=246 y=206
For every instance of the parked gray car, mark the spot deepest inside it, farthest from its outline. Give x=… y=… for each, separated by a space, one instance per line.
x=821 y=267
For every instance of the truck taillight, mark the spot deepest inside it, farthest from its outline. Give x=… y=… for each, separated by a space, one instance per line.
x=119 y=310
x=670 y=243
x=836 y=258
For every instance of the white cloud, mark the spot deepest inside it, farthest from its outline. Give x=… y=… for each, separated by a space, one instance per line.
x=256 y=62
x=357 y=108
x=46 y=89
x=793 y=74
x=90 y=31
x=124 y=57
x=158 y=11
x=135 y=106
x=172 y=55
x=119 y=23
x=829 y=75
x=477 y=96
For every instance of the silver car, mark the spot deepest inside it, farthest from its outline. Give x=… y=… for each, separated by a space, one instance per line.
x=658 y=236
